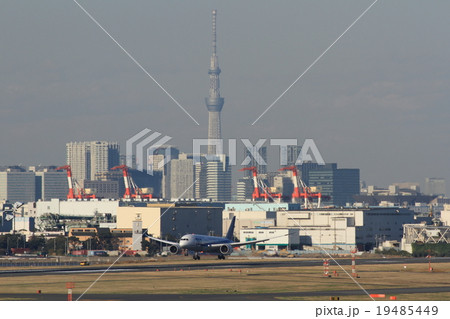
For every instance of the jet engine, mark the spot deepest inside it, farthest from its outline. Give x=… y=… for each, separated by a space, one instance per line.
x=225 y=249
x=175 y=249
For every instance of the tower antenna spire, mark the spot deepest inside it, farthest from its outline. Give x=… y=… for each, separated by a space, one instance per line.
x=214 y=102
x=214 y=13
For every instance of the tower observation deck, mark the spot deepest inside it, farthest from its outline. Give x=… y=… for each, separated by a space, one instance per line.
x=214 y=102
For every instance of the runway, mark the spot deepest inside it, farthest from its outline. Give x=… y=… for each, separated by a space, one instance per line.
x=231 y=296
x=224 y=295
x=200 y=265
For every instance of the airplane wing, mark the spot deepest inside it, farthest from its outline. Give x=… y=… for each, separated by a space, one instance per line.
x=162 y=241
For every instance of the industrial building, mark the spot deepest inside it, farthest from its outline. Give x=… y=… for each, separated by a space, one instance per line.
x=253 y=214
x=348 y=227
x=58 y=214
x=445 y=215
x=119 y=238
x=279 y=238
x=332 y=228
x=81 y=208
x=173 y=220
x=424 y=234
x=103 y=189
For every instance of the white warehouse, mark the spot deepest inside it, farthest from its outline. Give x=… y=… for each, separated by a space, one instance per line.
x=77 y=208
x=348 y=227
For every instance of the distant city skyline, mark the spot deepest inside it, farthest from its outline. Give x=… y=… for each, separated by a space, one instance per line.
x=377 y=101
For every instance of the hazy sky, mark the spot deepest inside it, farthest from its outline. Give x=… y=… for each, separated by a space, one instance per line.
x=378 y=100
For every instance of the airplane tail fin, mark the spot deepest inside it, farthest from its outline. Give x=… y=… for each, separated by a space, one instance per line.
x=231 y=229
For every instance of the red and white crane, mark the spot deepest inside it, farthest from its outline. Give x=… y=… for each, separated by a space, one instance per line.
x=81 y=194
x=130 y=184
x=256 y=193
x=126 y=180
x=305 y=192
x=71 y=194
x=260 y=190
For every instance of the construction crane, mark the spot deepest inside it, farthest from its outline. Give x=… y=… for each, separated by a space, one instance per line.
x=306 y=192
x=130 y=184
x=259 y=184
x=81 y=194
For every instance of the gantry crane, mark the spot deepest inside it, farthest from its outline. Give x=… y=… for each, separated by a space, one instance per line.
x=81 y=194
x=260 y=190
x=306 y=192
x=130 y=184
x=71 y=194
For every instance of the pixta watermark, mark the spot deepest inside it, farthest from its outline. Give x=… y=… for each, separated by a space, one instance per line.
x=151 y=152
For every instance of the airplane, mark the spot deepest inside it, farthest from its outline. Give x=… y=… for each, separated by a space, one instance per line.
x=210 y=244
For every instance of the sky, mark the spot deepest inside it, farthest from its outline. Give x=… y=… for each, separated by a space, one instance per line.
x=377 y=100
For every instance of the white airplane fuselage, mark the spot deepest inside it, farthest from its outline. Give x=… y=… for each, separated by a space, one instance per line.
x=198 y=243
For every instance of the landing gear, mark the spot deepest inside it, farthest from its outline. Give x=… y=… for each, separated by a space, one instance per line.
x=196 y=256
x=221 y=256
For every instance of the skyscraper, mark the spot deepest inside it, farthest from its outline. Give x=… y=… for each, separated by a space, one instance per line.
x=213 y=177
x=181 y=176
x=214 y=102
x=218 y=175
x=87 y=159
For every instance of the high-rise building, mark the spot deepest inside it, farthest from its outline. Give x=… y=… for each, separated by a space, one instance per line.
x=17 y=187
x=155 y=161
x=78 y=156
x=90 y=158
x=214 y=102
x=181 y=176
x=200 y=178
x=435 y=186
x=292 y=154
x=340 y=185
x=104 y=155
x=244 y=189
x=213 y=176
x=51 y=185
x=155 y=166
x=261 y=168
x=218 y=174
